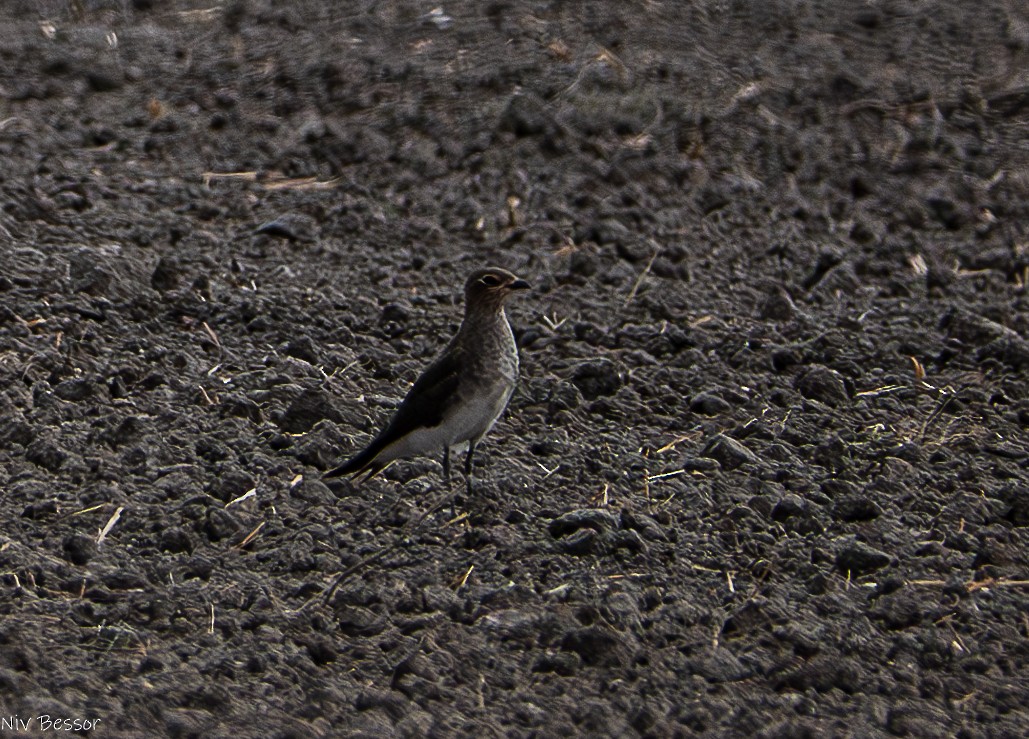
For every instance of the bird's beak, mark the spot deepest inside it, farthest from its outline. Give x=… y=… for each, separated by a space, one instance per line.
x=519 y=285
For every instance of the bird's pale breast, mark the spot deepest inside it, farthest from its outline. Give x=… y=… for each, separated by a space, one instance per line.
x=487 y=383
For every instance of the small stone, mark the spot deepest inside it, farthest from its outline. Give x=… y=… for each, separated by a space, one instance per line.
x=630 y=540
x=970 y=328
x=782 y=358
x=523 y=116
x=552 y=442
x=39 y=510
x=46 y=454
x=511 y=623
x=592 y=518
x=824 y=385
x=838 y=488
x=76 y=389
x=304 y=348
x=321 y=650
x=175 y=541
x=582 y=263
x=778 y=306
x=166 y=275
x=395 y=313
x=240 y=407
x=709 y=404
x=565 y=664
x=856 y=508
x=78 y=549
x=563 y=396
x=290 y=226
x=587 y=531
x=596 y=378
x=858 y=558
x=729 y=452
x=868 y=18
x=701 y=465
x=718 y=665
x=599 y=646
x=87 y=273
x=584 y=541
x=307 y=409
x=647 y=526
x=219 y=524
x=790 y=506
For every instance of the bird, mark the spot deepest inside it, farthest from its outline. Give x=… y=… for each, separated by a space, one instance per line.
x=459 y=397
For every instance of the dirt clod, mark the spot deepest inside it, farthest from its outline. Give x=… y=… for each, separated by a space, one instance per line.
x=765 y=470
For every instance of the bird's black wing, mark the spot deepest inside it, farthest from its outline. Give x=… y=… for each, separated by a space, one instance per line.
x=424 y=406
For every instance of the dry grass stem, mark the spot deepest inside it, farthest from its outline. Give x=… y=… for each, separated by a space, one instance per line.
x=206 y=177
x=879 y=391
x=663 y=475
x=212 y=334
x=642 y=276
x=200 y=15
x=513 y=201
x=461 y=582
x=251 y=493
x=919 y=369
x=251 y=536
x=459 y=518
x=702 y=568
x=110 y=525
x=96 y=507
x=301 y=183
x=548 y=472
x=678 y=440
x=552 y=324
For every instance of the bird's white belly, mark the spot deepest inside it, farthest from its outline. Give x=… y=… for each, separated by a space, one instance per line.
x=471 y=419
x=475 y=417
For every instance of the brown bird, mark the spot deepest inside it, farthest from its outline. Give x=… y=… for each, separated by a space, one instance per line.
x=461 y=395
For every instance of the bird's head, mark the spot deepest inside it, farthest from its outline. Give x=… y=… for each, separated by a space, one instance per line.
x=492 y=286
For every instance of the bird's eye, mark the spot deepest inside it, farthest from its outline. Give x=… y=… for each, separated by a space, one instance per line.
x=490 y=281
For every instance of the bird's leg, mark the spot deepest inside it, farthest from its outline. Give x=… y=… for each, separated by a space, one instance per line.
x=468 y=463
x=446 y=479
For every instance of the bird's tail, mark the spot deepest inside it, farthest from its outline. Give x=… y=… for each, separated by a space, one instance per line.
x=362 y=463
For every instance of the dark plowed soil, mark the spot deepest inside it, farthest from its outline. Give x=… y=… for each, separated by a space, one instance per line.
x=767 y=470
